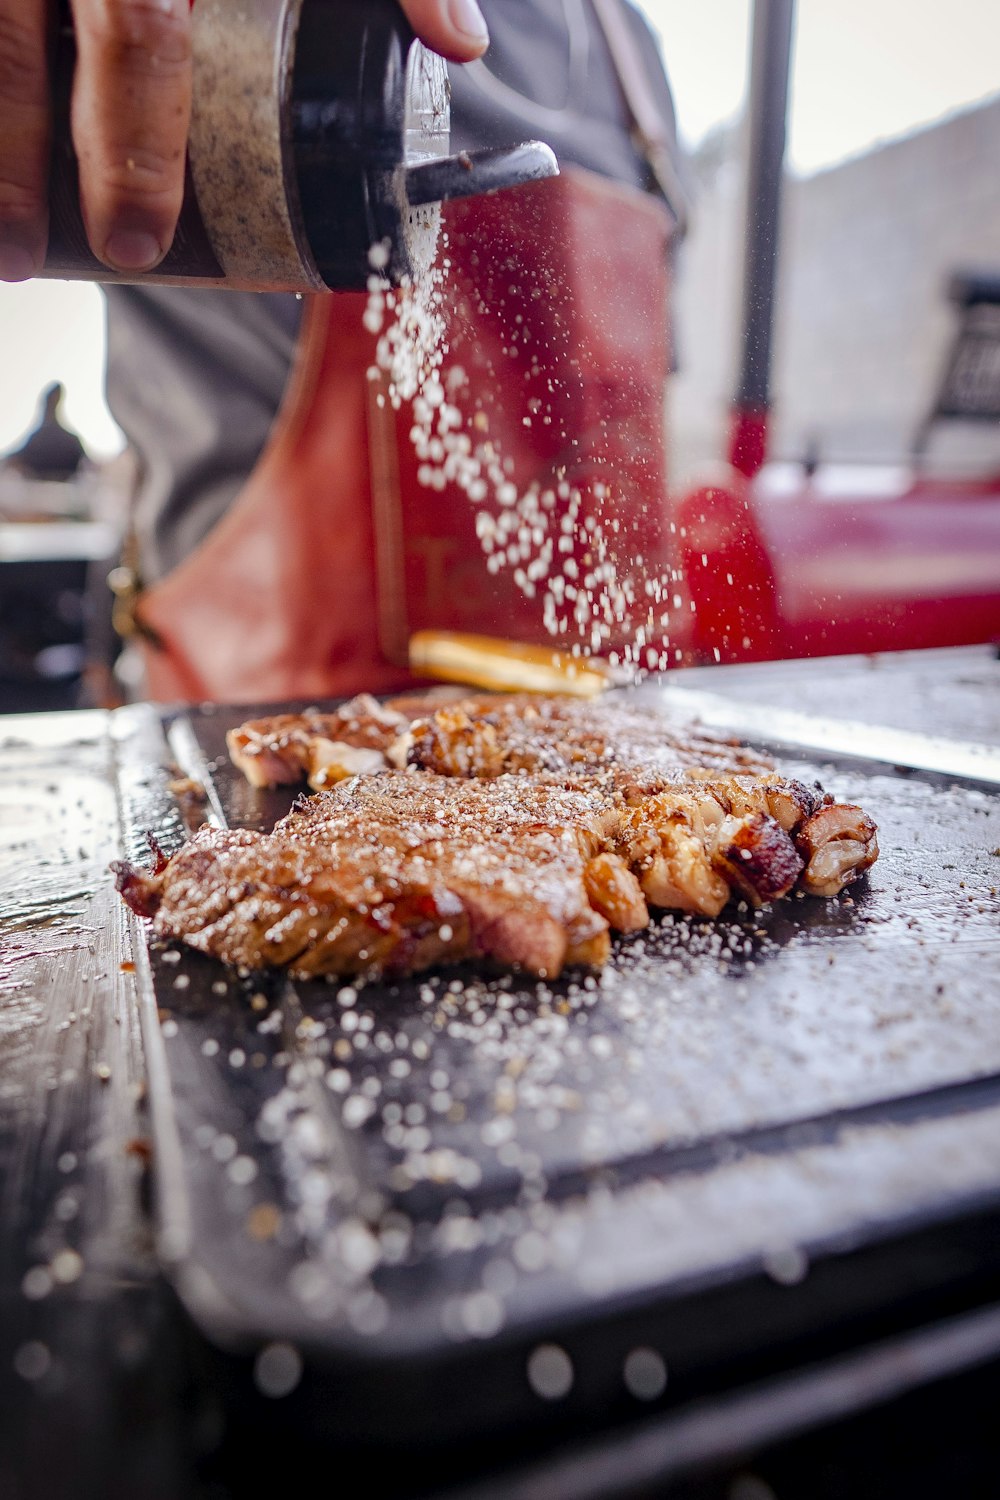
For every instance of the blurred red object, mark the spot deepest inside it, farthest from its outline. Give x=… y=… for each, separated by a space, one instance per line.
x=816 y=572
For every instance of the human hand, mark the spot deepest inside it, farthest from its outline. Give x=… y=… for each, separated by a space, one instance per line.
x=130 y=114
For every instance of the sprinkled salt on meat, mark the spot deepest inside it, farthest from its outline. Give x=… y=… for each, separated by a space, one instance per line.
x=523 y=831
x=640 y=747
x=392 y=874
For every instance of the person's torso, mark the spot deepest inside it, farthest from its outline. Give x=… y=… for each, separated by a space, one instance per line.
x=196 y=377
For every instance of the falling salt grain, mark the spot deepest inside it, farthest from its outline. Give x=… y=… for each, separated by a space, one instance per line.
x=786 y=1264
x=32 y=1361
x=550 y=1372
x=645 y=1374
x=368 y=1312
x=277 y=1370
x=242 y=1171
x=66 y=1267
x=359 y=1250
x=224 y=1148
x=36 y=1283
x=356 y=1111
x=482 y=1315
x=531 y=1251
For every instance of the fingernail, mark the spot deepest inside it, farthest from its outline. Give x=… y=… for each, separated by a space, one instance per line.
x=132 y=250
x=16 y=263
x=468 y=18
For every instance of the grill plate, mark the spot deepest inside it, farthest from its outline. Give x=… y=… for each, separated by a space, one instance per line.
x=744 y=1144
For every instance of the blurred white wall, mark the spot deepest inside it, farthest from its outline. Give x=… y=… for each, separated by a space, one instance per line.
x=863 y=326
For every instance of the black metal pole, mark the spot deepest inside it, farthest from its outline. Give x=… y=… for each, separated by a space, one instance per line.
x=767 y=109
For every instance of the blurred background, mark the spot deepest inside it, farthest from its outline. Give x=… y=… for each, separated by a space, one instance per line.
x=893 y=186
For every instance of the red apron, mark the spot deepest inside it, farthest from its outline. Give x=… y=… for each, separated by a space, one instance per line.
x=334 y=552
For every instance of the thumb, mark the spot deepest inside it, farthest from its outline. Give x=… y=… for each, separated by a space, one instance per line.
x=455 y=28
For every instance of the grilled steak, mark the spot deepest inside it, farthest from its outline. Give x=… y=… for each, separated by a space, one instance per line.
x=396 y=873
x=488 y=734
x=523 y=830
x=639 y=747
x=323 y=748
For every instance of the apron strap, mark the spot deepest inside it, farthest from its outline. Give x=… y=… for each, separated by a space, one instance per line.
x=650 y=135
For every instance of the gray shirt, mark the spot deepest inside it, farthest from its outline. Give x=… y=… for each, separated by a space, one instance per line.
x=195 y=378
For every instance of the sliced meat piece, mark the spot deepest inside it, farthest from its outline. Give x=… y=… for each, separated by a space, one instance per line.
x=680 y=876
x=838 y=844
x=789 y=802
x=615 y=892
x=285 y=748
x=708 y=838
x=455 y=743
x=138 y=888
x=588 y=941
x=756 y=855
x=331 y=761
x=665 y=841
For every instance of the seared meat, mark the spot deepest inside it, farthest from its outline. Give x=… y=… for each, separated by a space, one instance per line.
x=286 y=748
x=700 y=842
x=480 y=735
x=838 y=844
x=523 y=830
x=396 y=873
x=641 y=748
x=616 y=893
x=322 y=748
x=757 y=857
x=671 y=853
x=701 y=827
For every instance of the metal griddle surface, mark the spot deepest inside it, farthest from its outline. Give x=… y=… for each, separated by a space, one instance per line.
x=453 y=1169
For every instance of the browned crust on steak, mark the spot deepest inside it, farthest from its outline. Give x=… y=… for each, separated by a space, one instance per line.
x=487 y=735
x=282 y=749
x=756 y=855
x=524 y=733
x=390 y=874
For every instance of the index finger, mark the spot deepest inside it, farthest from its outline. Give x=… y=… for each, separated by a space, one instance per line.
x=130 y=116
x=455 y=28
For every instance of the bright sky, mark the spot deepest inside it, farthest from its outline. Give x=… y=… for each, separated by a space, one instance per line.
x=863 y=71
